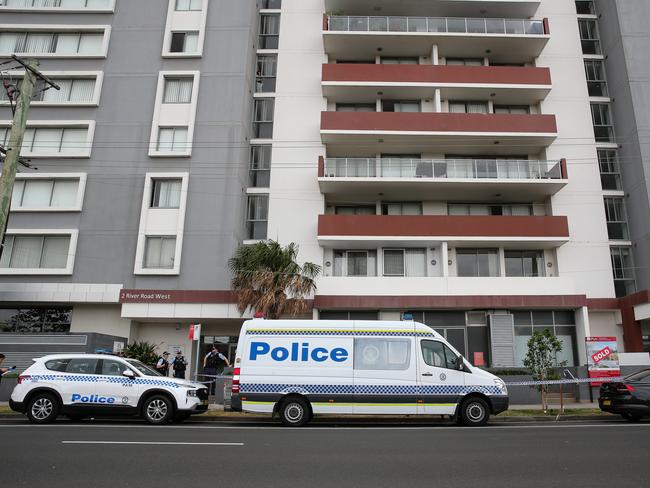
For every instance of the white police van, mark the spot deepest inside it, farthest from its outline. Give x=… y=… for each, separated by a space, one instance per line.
x=79 y=385
x=301 y=368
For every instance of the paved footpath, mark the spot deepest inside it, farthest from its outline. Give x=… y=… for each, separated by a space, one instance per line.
x=331 y=453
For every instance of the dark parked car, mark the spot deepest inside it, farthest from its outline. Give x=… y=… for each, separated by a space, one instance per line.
x=629 y=397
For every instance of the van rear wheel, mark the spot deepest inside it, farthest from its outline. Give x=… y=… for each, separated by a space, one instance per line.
x=474 y=412
x=295 y=412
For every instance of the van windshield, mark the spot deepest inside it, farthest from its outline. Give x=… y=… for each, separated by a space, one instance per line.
x=144 y=369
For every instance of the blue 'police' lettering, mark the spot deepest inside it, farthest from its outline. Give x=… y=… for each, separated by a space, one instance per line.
x=298 y=352
x=76 y=397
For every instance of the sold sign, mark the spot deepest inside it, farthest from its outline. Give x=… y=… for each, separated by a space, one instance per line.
x=600 y=355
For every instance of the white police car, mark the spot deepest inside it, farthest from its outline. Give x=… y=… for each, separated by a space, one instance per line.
x=78 y=385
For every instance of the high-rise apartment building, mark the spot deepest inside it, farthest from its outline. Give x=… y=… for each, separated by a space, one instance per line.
x=436 y=158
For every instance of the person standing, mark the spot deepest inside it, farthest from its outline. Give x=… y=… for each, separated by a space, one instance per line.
x=162 y=366
x=4 y=371
x=213 y=364
x=179 y=365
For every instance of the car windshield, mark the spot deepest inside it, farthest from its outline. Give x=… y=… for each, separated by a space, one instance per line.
x=643 y=376
x=144 y=369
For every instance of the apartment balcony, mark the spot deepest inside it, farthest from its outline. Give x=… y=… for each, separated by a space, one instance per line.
x=502 y=84
x=520 y=232
x=349 y=179
x=505 y=40
x=437 y=132
x=455 y=8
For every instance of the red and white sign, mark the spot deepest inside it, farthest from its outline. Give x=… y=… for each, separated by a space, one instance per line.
x=602 y=354
x=195 y=332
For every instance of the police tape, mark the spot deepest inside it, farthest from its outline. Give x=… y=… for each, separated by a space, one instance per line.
x=565 y=381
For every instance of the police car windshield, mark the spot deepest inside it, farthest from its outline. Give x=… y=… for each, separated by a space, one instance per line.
x=145 y=370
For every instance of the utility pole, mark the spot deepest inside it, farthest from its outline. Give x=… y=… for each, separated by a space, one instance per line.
x=18 y=126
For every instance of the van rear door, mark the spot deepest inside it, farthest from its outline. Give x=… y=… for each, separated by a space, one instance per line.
x=441 y=384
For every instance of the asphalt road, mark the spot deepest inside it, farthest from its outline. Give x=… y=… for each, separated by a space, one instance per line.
x=133 y=454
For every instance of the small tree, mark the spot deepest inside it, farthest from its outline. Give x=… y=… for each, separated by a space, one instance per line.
x=268 y=279
x=542 y=358
x=144 y=352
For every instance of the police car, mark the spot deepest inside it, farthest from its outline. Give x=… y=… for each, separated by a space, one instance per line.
x=79 y=385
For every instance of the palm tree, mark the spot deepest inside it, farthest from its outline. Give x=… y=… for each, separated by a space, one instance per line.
x=267 y=279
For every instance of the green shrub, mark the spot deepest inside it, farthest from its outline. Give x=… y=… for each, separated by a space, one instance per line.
x=144 y=352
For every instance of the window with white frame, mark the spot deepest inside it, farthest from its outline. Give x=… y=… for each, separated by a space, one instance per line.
x=51 y=140
x=42 y=193
x=188 y=5
x=35 y=252
x=400 y=106
x=63 y=4
x=524 y=263
x=257 y=216
x=405 y=262
x=523 y=209
x=355 y=263
x=72 y=90
x=184 y=42
x=159 y=252
x=269 y=31
x=512 y=109
x=459 y=107
x=477 y=262
x=166 y=192
x=265 y=73
x=172 y=139
x=464 y=62
x=263 y=118
x=401 y=208
x=178 y=89
x=260 y=166
x=41 y=42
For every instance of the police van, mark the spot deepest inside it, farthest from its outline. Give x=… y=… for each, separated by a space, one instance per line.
x=79 y=385
x=297 y=369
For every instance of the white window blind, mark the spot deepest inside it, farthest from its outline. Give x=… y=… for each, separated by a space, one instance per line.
x=44 y=193
x=72 y=90
x=415 y=260
x=46 y=140
x=191 y=42
x=90 y=43
x=178 y=90
x=34 y=252
x=73 y=140
x=188 y=5
x=172 y=139
x=166 y=194
x=160 y=252
x=68 y=4
x=393 y=262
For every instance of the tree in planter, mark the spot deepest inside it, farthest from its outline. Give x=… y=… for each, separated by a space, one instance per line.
x=144 y=352
x=267 y=279
x=541 y=358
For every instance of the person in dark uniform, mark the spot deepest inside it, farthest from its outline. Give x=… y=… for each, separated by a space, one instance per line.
x=213 y=364
x=179 y=365
x=162 y=366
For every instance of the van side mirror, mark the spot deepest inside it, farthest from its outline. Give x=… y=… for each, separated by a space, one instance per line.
x=460 y=364
x=129 y=374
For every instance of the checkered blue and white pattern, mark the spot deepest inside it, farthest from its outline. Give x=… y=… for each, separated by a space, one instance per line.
x=376 y=333
x=102 y=379
x=369 y=389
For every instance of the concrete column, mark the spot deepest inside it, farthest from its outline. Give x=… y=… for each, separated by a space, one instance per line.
x=582 y=331
x=502 y=262
x=437 y=101
x=434 y=55
x=444 y=259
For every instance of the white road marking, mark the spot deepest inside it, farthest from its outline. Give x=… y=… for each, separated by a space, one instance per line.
x=144 y=443
x=342 y=427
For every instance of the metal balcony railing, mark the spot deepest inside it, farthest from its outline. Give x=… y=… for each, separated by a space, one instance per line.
x=436 y=24
x=504 y=169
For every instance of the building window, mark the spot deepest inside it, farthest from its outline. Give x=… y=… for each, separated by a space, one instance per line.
x=185 y=5
x=345 y=315
x=596 y=82
x=589 y=36
x=159 y=252
x=464 y=62
x=459 y=107
x=616 y=218
x=257 y=216
x=178 y=90
x=585 y=7
x=51 y=140
x=72 y=90
x=51 y=42
x=405 y=262
x=265 y=73
x=68 y=4
x=172 y=139
x=269 y=31
x=355 y=263
x=603 y=129
x=35 y=252
x=184 y=42
x=400 y=106
x=512 y=109
x=610 y=172
x=487 y=209
x=401 y=208
x=400 y=61
x=35 y=320
x=356 y=107
x=263 y=118
x=166 y=193
x=524 y=263
x=623 y=269
x=477 y=262
x=41 y=193
x=271 y=4
x=560 y=322
x=260 y=166
x=355 y=210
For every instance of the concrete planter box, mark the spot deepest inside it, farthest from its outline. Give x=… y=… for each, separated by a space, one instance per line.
x=6 y=387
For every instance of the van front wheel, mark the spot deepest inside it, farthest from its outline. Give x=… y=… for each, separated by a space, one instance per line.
x=294 y=412
x=474 y=412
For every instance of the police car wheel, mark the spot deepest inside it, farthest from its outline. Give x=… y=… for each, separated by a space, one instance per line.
x=43 y=408
x=294 y=412
x=474 y=412
x=157 y=410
